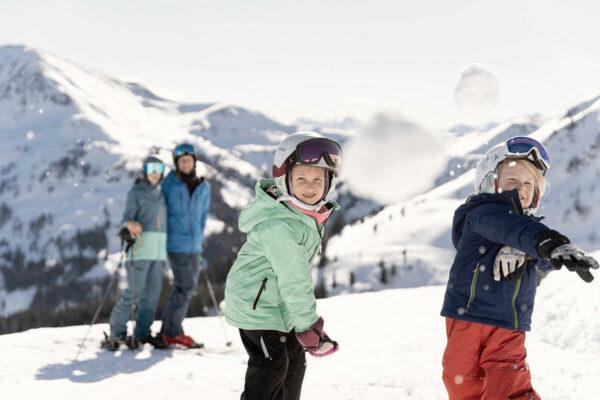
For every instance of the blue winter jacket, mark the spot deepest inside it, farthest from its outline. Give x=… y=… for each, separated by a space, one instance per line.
x=186 y=215
x=481 y=227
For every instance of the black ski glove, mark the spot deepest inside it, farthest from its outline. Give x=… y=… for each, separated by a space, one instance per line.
x=558 y=249
x=126 y=237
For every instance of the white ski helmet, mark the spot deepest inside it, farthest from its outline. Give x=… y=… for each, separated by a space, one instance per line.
x=309 y=148
x=518 y=147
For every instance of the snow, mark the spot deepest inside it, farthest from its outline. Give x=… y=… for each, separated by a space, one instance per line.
x=566 y=310
x=391 y=344
x=213 y=226
x=16 y=300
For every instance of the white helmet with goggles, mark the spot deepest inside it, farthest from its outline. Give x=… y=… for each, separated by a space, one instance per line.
x=307 y=148
x=517 y=148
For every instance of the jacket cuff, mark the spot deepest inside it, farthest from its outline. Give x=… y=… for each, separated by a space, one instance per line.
x=548 y=241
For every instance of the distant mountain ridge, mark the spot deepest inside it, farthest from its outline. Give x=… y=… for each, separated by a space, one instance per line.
x=72 y=141
x=408 y=244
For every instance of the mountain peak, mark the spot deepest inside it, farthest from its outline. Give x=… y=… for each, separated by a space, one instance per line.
x=18 y=51
x=25 y=86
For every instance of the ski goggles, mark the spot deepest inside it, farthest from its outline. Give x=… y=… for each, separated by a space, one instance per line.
x=184 y=149
x=154 y=168
x=531 y=149
x=314 y=151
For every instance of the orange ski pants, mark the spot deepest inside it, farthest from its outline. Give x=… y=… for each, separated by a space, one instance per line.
x=484 y=362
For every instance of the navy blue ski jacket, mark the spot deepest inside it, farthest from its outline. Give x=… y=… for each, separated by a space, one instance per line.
x=481 y=227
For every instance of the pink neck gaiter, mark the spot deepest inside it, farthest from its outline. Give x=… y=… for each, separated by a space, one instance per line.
x=319 y=216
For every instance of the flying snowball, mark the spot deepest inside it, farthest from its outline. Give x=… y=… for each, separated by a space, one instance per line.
x=476 y=93
x=393 y=160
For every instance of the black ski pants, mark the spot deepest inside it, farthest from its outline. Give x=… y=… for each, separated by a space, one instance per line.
x=276 y=365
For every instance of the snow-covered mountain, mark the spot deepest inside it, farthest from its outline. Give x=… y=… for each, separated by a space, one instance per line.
x=391 y=345
x=73 y=139
x=408 y=244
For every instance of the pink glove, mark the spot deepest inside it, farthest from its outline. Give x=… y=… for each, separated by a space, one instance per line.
x=316 y=341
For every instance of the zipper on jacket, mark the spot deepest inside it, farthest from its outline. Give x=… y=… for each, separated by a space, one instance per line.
x=473 y=286
x=263 y=286
x=514 y=304
x=518 y=285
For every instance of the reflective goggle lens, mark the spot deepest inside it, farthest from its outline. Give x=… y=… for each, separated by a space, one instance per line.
x=524 y=146
x=154 y=168
x=312 y=150
x=184 y=149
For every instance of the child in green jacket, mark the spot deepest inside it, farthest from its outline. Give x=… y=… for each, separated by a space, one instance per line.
x=269 y=292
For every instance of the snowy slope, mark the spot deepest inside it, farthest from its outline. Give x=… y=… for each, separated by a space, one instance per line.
x=72 y=141
x=413 y=237
x=391 y=344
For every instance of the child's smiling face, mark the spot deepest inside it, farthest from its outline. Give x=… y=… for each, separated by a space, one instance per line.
x=515 y=175
x=308 y=183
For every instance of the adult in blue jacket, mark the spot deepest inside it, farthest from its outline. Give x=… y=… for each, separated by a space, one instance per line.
x=188 y=201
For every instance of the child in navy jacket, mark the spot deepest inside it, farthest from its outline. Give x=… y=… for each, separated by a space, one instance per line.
x=491 y=288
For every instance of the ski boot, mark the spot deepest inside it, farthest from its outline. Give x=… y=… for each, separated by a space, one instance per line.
x=156 y=341
x=132 y=343
x=182 y=340
x=113 y=343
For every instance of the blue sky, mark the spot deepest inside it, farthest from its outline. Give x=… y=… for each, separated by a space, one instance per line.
x=326 y=59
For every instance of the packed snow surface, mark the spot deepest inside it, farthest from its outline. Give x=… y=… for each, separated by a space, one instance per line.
x=391 y=344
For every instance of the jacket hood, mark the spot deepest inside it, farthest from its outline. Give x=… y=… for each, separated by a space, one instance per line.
x=509 y=198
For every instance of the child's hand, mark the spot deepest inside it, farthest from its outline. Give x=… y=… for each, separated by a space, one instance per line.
x=575 y=259
x=316 y=341
x=509 y=264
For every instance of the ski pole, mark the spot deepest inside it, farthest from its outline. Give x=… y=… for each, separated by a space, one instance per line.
x=104 y=298
x=133 y=302
x=217 y=309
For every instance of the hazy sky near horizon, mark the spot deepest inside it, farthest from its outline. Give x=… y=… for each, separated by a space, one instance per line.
x=327 y=59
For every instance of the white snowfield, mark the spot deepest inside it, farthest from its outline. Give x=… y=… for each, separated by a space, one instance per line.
x=391 y=344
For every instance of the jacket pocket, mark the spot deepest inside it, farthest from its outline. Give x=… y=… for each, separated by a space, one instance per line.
x=263 y=286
